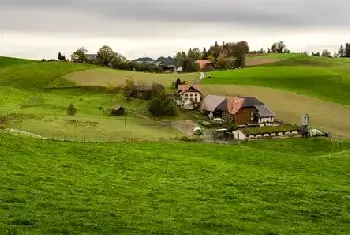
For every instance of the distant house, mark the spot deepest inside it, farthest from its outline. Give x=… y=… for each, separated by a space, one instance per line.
x=91 y=57
x=241 y=110
x=117 y=110
x=188 y=96
x=205 y=65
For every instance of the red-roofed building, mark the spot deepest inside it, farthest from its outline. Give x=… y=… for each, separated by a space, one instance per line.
x=188 y=95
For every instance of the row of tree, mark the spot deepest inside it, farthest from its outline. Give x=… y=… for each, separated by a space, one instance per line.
x=107 y=57
x=223 y=56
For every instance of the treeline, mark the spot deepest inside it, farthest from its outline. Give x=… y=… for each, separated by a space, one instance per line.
x=227 y=55
x=107 y=57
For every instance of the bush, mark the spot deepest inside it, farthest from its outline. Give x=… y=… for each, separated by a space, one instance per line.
x=162 y=106
x=4 y=122
x=71 y=110
x=111 y=87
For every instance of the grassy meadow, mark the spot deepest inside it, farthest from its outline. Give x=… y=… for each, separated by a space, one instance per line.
x=6 y=62
x=38 y=75
x=44 y=114
x=285 y=187
x=327 y=79
x=105 y=76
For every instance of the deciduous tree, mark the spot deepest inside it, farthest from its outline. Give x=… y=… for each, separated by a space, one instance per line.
x=80 y=55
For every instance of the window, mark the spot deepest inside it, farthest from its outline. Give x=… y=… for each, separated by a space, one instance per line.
x=191 y=95
x=186 y=95
x=191 y=99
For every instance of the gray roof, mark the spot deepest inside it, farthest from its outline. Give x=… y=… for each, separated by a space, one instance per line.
x=213 y=102
x=264 y=111
x=251 y=102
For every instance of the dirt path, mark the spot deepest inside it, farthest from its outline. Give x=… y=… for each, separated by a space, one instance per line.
x=289 y=106
x=185 y=126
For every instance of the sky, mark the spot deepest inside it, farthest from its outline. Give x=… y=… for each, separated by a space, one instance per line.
x=135 y=28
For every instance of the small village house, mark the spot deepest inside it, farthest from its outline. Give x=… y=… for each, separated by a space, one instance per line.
x=189 y=96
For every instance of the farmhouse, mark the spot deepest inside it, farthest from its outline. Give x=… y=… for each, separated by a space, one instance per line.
x=249 y=110
x=205 y=65
x=241 y=110
x=188 y=96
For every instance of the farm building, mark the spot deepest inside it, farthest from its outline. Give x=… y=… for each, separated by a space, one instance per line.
x=190 y=93
x=241 y=110
x=249 y=110
x=205 y=65
x=214 y=104
x=117 y=110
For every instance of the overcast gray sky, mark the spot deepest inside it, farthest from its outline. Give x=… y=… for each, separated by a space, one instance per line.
x=41 y=28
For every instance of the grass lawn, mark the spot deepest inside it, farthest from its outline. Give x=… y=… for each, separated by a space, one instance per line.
x=44 y=113
x=104 y=76
x=10 y=61
x=270 y=187
x=327 y=79
x=38 y=75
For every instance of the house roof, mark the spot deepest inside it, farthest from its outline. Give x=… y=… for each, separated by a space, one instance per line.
x=234 y=104
x=213 y=102
x=184 y=88
x=251 y=102
x=264 y=111
x=203 y=63
x=117 y=107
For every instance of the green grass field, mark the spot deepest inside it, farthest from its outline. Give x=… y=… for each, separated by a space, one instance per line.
x=44 y=114
x=38 y=75
x=285 y=187
x=6 y=62
x=327 y=79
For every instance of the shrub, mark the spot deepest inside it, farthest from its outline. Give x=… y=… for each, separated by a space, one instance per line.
x=162 y=105
x=71 y=110
x=4 y=122
x=111 y=87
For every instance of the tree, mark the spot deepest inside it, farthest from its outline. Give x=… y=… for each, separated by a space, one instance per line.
x=129 y=87
x=278 y=47
x=326 y=53
x=205 y=54
x=341 y=51
x=119 y=62
x=59 y=56
x=268 y=50
x=162 y=105
x=221 y=62
x=71 y=110
x=79 y=56
x=105 y=55
x=194 y=54
x=347 y=50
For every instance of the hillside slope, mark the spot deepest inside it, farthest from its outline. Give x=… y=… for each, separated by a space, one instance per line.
x=10 y=61
x=38 y=75
x=285 y=187
x=327 y=79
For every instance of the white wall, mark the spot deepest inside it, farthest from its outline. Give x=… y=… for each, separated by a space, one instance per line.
x=266 y=120
x=192 y=96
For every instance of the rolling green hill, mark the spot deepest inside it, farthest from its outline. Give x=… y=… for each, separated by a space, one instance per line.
x=10 y=61
x=285 y=187
x=38 y=75
x=327 y=79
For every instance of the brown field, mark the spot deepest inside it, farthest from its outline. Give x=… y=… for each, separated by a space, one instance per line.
x=103 y=76
x=289 y=106
x=253 y=61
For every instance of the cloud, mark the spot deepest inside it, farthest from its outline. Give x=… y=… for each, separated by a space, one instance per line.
x=157 y=17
